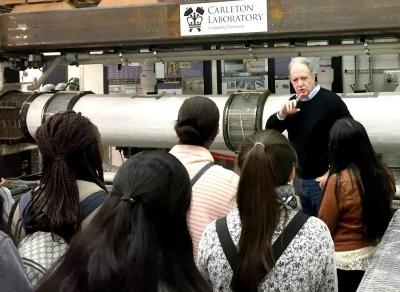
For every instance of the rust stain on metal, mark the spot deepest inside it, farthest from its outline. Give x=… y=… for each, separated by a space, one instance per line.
x=276 y=9
x=277 y=14
x=173 y=21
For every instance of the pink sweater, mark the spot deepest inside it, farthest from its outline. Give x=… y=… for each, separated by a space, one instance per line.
x=213 y=194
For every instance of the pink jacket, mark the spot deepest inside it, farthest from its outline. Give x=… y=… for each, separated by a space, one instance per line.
x=213 y=194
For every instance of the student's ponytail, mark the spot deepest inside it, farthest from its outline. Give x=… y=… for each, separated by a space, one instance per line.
x=267 y=164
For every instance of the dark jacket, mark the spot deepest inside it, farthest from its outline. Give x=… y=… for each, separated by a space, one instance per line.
x=308 y=130
x=12 y=275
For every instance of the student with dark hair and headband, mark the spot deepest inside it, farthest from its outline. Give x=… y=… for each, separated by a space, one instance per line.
x=213 y=193
x=263 y=244
x=139 y=240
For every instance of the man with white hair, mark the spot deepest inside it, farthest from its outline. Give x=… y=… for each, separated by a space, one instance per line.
x=308 y=117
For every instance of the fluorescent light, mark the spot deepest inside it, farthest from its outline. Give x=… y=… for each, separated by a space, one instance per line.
x=52 y=54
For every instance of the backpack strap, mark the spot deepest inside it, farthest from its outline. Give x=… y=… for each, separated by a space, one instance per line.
x=91 y=202
x=23 y=203
x=279 y=246
x=287 y=235
x=229 y=248
x=88 y=205
x=12 y=212
x=200 y=173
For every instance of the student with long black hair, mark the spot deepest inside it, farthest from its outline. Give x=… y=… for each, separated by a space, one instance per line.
x=356 y=204
x=253 y=262
x=139 y=239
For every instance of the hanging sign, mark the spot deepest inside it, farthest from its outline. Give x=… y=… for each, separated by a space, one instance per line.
x=229 y=17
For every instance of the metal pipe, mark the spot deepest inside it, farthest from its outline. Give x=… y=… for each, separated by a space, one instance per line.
x=231 y=54
x=53 y=65
x=362 y=71
x=3 y=65
x=141 y=121
x=214 y=77
x=378 y=113
x=370 y=76
x=356 y=74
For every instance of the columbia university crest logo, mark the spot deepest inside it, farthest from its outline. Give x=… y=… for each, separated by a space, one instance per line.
x=194 y=18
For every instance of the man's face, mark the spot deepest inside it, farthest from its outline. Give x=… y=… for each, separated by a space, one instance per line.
x=302 y=79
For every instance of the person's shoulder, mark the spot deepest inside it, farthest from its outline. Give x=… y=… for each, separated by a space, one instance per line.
x=87 y=188
x=332 y=178
x=208 y=239
x=330 y=99
x=4 y=238
x=348 y=181
x=327 y=93
x=211 y=229
x=316 y=229
x=313 y=241
x=344 y=176
x=227 y=175
x=315 y=237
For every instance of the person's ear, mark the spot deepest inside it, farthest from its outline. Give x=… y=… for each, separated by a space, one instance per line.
x=292 y=174
x=214 y=134
x=212 y=138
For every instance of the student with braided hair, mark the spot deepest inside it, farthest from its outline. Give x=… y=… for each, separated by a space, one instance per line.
x=70 y=190
x=72 y=170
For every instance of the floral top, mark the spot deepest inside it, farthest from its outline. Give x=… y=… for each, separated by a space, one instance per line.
x=308 y=263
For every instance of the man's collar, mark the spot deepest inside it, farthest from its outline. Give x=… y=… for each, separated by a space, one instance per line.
x=312 y=93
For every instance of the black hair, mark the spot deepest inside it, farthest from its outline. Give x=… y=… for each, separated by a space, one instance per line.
x=266 y=161
x=350 y=148
x=70 y=148
x=198 y=121
x=139 y=240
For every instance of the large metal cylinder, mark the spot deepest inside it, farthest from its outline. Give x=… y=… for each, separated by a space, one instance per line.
x=142 y=121
x=378 y=112
x=138 y=121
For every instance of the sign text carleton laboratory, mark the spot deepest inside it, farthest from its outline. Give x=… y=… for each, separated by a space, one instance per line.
x=223 y=17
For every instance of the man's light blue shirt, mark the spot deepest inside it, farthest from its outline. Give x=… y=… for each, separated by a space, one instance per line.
x=312 y=93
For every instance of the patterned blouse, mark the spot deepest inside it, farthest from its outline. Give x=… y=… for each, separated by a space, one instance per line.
x=308 y=263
